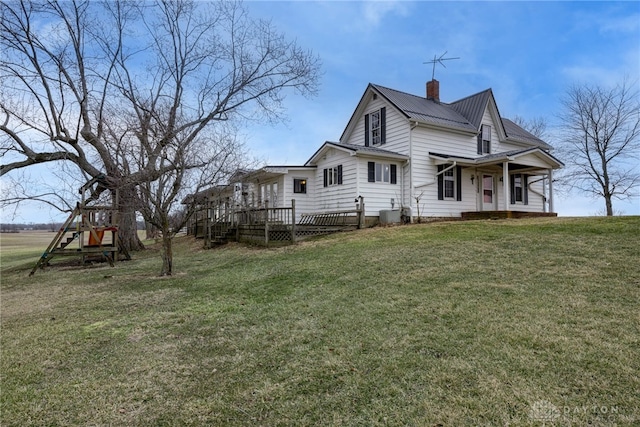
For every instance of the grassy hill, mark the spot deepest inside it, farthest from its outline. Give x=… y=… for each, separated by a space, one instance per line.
x=519 y=322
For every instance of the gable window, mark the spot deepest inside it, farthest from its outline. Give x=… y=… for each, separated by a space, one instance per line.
x=375 y=127
x=519 y=189
x=449 y=182
x=300 y=185
x=382 y=172
x=332 y=176
x=484 y=140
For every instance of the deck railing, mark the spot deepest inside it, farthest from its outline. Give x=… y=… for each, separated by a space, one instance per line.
x=276 y=224
x=254 y=216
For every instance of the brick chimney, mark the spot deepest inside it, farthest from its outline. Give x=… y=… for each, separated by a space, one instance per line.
x=433 y=90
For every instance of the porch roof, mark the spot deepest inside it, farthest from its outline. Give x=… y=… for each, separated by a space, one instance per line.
x=355 y=150
x=268 y=172
x=513 y=156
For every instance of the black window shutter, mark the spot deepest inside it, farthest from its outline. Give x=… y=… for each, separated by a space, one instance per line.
x=325 y=178
x=394 y=174
x=512 y=187
x=371 y=171
x=458 y=183
x=525 y=189
x=440 y=183
x=383 y=125
x=339 y=174
x=366 y=130
x=480 y=142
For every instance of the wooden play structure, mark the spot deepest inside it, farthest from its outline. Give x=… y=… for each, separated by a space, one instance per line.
x=91 y=230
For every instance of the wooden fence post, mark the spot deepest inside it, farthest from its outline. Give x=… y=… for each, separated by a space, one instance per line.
x=361 y=217
x=266 y=233
x=293 y=220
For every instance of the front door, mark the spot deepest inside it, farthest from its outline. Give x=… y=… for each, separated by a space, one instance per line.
x=488 y=193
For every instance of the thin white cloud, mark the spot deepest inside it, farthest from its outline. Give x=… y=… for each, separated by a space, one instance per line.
x=620 y=24
x=375 y=11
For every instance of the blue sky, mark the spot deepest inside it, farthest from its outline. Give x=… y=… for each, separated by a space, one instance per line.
x=529 y=53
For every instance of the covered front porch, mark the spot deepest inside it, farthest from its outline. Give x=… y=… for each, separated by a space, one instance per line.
x=510 y=184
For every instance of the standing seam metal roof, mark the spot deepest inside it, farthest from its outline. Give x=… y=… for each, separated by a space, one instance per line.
x=464 y=114
x=425 y=110
x=473 y=107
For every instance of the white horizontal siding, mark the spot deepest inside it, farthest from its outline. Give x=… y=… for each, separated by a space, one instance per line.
x=305 y=202
x=336 y=197
x=378 y=195
x=429 y=204
x=397 y=128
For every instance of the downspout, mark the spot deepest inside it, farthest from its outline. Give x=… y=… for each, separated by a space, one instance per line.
x=544 y=196
x=411 y=128
x=453 y=165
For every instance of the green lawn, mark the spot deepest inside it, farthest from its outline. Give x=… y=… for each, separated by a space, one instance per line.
x=514 y=322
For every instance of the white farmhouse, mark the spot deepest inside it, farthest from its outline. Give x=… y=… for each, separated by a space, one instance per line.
x=419 y=155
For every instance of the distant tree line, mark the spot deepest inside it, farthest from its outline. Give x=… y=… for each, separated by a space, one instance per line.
x=15 y=228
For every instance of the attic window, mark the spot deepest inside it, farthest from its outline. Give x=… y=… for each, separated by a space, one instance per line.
x=486 y=139
x=374 y=125
x=375 y=96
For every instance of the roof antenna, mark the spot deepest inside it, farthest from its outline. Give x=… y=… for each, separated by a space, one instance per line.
x=439 y=60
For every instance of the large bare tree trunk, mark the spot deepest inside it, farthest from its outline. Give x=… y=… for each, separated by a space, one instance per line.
x=609 y=204
x=128 y=226
x=167 y=254
x=128 y=231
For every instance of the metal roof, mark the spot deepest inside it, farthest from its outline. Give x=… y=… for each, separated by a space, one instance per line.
x=516 y=133
x=464 y=114
x=426 y=110
x=473 y=107
x=491 y=158
x=368 y=150
x=357 y=149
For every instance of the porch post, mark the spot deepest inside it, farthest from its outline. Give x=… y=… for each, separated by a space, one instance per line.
x=505 y=185
x=545 y=200
x=551 y=209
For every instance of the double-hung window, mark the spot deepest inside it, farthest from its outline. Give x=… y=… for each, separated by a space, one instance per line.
x=382 y=172
x=519 y=188
x=449 y=182
x=375 y=127
x=484 y=140
x=332 y=176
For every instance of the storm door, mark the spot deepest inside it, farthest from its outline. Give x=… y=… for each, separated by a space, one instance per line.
x=488 y=193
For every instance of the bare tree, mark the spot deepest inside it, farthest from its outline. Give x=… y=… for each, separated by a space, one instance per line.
x=601 y=141
x=167 y=207
x=536 y=126
x=99 y=84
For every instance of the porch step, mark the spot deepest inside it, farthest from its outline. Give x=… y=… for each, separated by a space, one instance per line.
x=222 y=237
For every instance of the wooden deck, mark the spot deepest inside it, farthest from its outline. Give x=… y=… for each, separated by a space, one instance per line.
x=273 y=226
